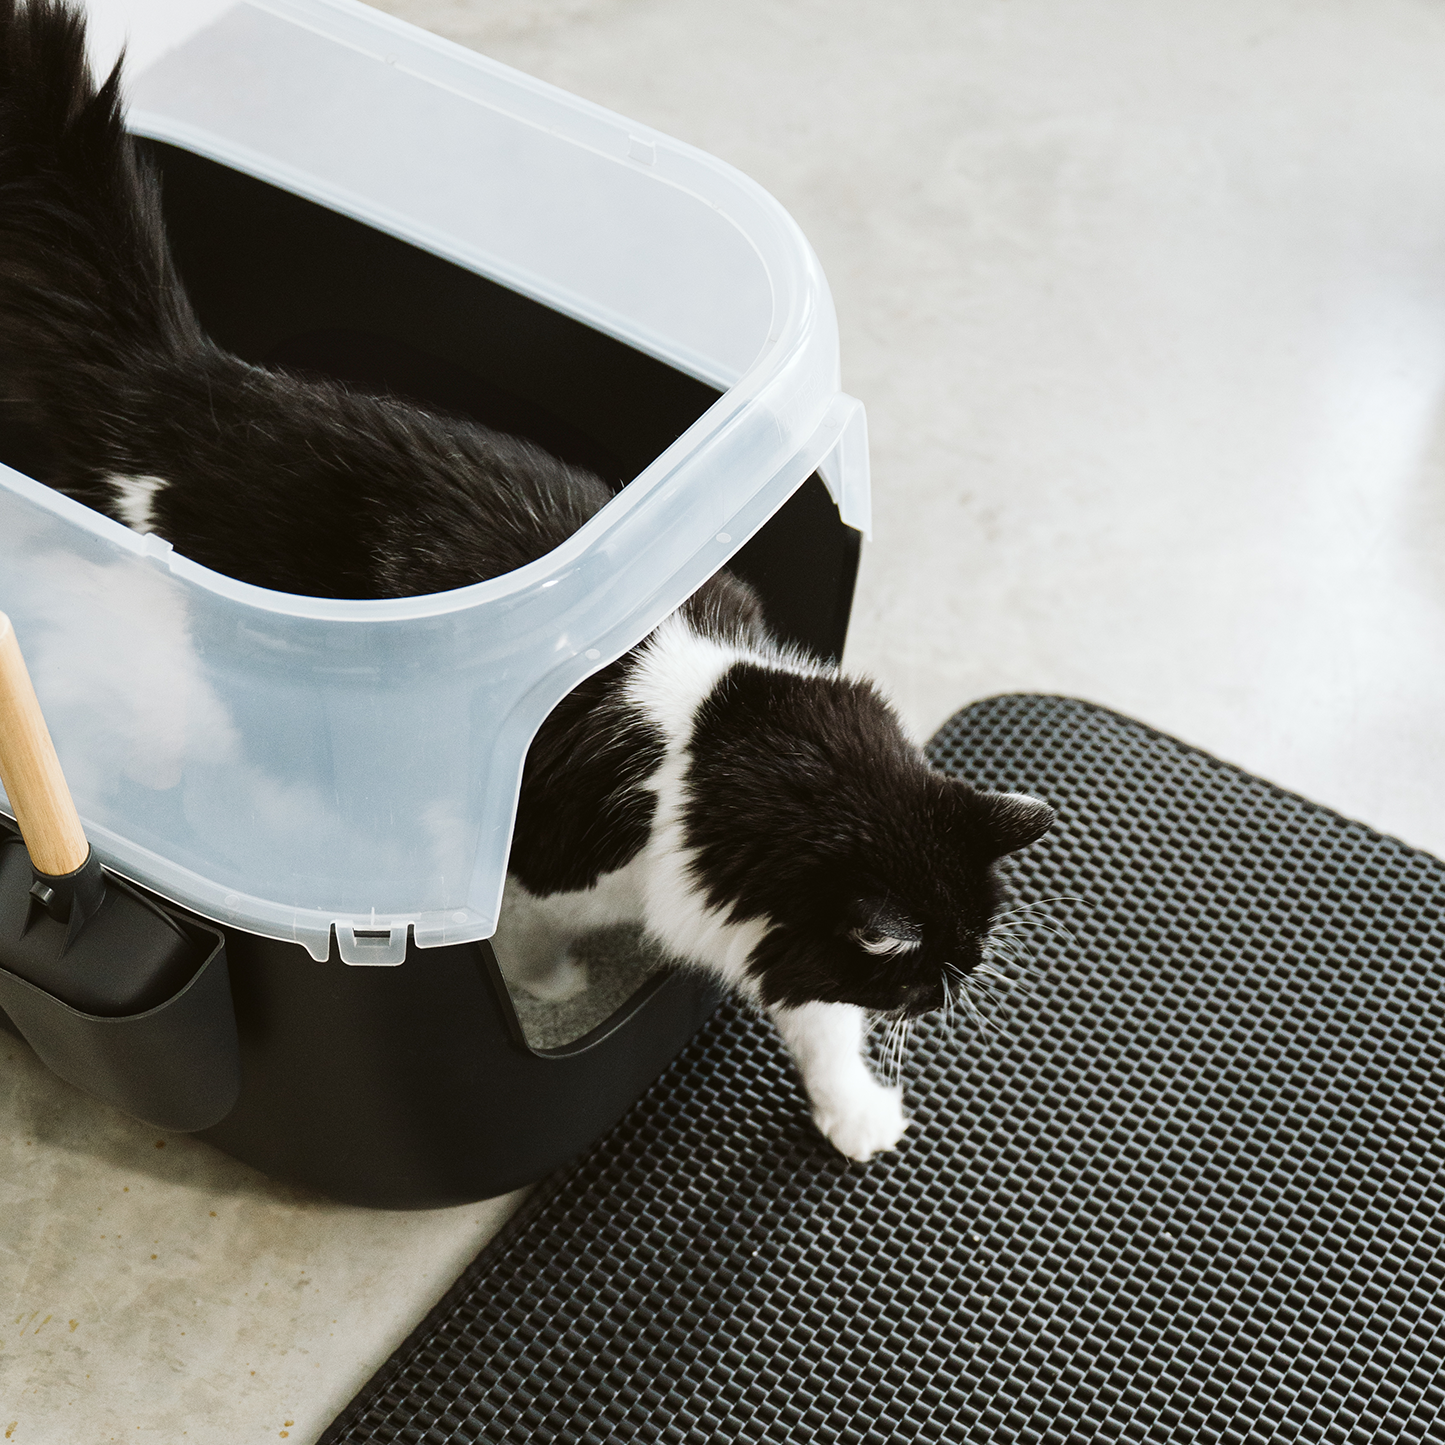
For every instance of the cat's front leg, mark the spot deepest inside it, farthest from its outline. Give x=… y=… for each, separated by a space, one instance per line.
x=857 y=1115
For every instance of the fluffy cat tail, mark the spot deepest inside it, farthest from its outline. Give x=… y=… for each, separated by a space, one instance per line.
x=88 y=292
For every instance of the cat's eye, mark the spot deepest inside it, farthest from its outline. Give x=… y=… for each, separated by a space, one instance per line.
x=882 y=944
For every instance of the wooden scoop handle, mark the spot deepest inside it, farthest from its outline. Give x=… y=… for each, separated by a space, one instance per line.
x=31 y=772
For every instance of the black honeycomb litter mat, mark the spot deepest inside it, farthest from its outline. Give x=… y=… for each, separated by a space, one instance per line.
x=1187 y=1189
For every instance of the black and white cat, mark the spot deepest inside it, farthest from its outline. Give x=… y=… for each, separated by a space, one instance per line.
x=765 y=818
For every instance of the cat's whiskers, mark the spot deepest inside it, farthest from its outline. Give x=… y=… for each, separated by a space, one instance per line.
x=1034 y=903
x=886 y=1026
x=1005 y=945
x=1008 y=940
x=1030 y=915
x=967 y=1002
x=895 y=1040
x=950 y=1020
x=1007 y=962
x=982 y=989
x=1017 y=928
x=988 y=975
x=1013 y=955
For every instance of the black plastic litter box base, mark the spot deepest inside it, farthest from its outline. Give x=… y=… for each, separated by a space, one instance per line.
x=1188 y=1189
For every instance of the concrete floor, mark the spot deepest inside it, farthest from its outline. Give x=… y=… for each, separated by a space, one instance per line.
x=1147 y=306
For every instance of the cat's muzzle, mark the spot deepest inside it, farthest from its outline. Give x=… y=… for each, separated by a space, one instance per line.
x=917 y=999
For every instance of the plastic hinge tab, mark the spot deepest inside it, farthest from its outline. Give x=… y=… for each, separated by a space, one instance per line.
x=376 y=944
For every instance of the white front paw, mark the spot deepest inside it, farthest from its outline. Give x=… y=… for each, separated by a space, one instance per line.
x=867 y=1120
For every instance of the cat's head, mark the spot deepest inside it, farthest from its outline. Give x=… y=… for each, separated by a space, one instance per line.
x=811 y=810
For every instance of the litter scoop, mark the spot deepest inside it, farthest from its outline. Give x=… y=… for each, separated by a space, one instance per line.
x=117 y=994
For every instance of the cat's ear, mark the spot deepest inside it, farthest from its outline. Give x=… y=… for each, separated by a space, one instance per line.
x=1014 y=820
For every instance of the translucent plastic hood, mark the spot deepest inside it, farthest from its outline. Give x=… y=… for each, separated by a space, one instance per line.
x=289 y=764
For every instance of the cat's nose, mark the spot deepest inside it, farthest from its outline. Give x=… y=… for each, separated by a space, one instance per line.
x=921 y=998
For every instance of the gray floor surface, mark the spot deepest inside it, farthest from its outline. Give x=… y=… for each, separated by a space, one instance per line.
x=1147 y=307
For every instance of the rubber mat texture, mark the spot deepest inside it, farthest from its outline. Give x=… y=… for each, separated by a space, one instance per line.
x=1185 y=1188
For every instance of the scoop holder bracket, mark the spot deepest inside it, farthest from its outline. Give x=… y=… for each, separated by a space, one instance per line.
x=69 y=898
x=120 y=996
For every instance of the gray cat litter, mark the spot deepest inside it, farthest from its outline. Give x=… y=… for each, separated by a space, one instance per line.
x=618 y=961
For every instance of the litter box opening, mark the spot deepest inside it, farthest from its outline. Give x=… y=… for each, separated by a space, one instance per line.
x=627 y=970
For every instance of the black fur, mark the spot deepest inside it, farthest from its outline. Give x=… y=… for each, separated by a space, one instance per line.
x=807 y=805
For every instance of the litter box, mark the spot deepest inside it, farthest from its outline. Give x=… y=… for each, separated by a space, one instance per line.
x=333 y=783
